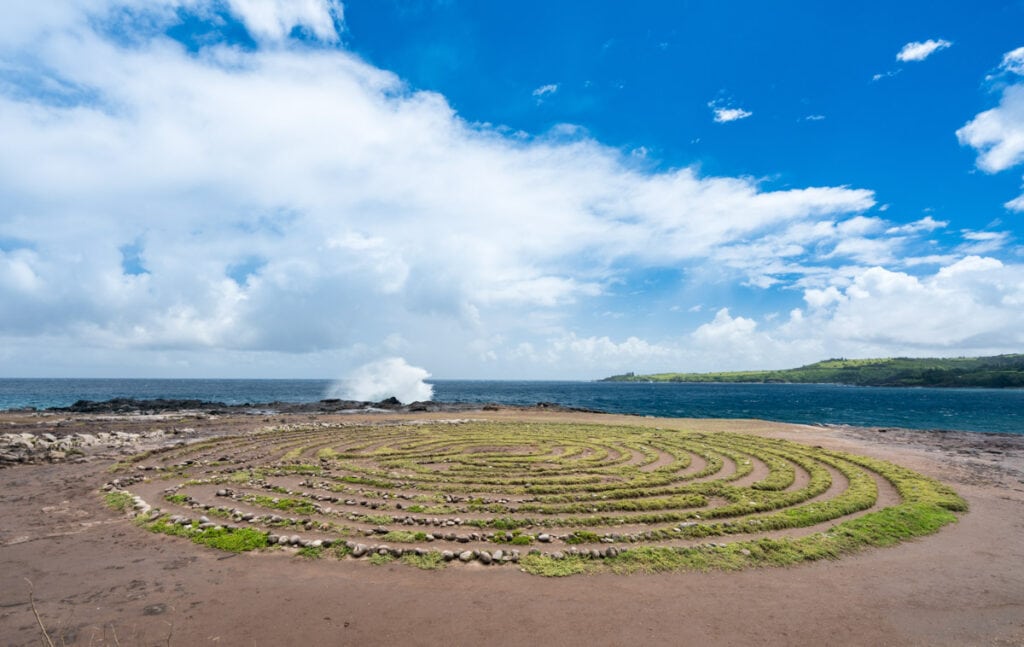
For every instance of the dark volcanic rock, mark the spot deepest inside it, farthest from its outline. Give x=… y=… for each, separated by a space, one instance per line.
x=129 y=405
x=331 y=405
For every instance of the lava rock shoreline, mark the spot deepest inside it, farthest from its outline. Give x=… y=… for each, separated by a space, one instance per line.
x=333 y=405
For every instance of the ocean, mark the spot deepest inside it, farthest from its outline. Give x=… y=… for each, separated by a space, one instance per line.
x=984 y=410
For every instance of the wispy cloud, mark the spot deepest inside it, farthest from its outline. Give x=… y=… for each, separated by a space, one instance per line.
x=982 y=242
x=926 y=224
x=919 y=51
x=545 y=90
x=542 y=93
x=885 y=75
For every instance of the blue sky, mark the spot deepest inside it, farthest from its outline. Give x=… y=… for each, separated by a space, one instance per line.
x=243 y=188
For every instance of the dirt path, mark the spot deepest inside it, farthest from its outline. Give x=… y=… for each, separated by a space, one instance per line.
x=99 y=580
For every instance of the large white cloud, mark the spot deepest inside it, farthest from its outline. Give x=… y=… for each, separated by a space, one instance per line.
x=295 y=205
x=975 y=304
x=998 y=134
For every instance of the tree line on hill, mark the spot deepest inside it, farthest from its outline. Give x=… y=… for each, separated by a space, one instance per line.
x=999 y=371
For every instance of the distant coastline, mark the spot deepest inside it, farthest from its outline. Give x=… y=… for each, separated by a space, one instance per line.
x=998 y=372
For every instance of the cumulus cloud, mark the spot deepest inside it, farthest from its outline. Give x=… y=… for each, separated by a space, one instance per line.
x=725 y=329
x=971 y=305
x=724 y=114
x=274 y=20
x=998 y=134
x=1013 y=61
x=365 y=205
x=918 y=51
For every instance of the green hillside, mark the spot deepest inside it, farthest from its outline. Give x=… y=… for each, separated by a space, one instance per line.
x=1000 y=371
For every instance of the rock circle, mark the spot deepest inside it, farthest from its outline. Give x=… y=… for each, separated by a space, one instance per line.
x=511 y=492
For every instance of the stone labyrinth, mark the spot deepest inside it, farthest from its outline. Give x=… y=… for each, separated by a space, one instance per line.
x=552 y=498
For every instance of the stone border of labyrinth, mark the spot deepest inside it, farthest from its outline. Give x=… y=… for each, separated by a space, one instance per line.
x=549 y=498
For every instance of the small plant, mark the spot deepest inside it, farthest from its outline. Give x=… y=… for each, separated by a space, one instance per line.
x=235 y=541
x=120 y=501
x=242 y=476
x=548 y=566
x=583 y=537
x=430 y=561
x=301 y=469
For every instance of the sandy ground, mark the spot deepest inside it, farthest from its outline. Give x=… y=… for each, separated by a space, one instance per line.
x=98 y=580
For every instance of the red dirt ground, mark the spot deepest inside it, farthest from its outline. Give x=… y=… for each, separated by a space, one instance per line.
x=98 y=580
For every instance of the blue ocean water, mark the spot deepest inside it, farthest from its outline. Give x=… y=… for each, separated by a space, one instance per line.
x=992 y=410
